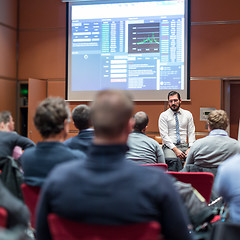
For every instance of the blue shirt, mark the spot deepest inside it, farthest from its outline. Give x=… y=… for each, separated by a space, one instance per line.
x=81 y=141
x=107 y=189
x=38 y=161
x=227 y=185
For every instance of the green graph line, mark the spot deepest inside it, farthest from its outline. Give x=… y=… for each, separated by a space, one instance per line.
x=150 y=40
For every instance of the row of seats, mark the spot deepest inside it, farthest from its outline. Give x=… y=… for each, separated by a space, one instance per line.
x=201 y=181
x=65 y=229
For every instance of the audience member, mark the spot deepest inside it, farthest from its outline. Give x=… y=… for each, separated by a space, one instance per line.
x=227 y=185
x=209 y=152
x=142 y=148
x=52 y=121
x=175 y=125
x=9 y=139
x=111 y=190
x=81 y=119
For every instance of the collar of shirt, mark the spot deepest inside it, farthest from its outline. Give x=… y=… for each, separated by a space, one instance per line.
x=179 y=111
x=135 y=131
x=218 y=132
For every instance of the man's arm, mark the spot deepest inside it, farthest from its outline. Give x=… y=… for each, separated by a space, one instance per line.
x=179 y=153
x=190 y=156
x=23 y=142
x=191 y=131
x=160 y=154
x=163 y=129
x=221 y=183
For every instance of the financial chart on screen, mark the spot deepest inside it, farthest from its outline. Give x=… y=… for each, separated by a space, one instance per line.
x=139 y=46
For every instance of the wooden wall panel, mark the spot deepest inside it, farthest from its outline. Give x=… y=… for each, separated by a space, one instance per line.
x=8 y=56
x=8 y=52
x=42 y=14
x=56 y=88
x=8 y=12
x=37 y=92
x=8 y=93
x=42 y=54
x=215 y=50
x=204 y=93
x=153 y=110
x=234 y=115
x=215 y=10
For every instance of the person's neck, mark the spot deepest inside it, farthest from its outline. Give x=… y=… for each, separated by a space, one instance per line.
x=109 y=141
x=4 y=129
x=138 y=131
x=56 y=138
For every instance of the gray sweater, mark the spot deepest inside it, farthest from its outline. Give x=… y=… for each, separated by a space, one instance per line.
x=144 y=149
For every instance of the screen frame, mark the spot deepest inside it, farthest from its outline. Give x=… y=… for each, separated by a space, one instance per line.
x=163 y=92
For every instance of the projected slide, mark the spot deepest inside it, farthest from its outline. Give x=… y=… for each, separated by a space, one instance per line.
x=131 y=45
x=143 y=38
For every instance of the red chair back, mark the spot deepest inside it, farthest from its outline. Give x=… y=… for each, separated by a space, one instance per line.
x=201 y=181
x=31 y=195
x=63 y=229
x=3 y=217
x=164 y=166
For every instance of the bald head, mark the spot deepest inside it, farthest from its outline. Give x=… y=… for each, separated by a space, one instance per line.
x=141 y=121
x=110 y=113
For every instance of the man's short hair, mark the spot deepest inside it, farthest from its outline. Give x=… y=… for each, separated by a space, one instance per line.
x=81 y=117
x=218 y=119
x=5 y=116
x=141 y=121
x=50 y=116
x=172 y=93
x=111 y=112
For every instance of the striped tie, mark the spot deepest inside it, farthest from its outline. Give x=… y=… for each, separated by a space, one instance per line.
x=177 y=128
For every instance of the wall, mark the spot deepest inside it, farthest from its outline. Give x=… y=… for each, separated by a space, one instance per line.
x=215 y=52
x=8 y=55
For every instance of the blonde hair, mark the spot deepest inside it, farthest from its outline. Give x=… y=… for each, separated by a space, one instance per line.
x=218 y=119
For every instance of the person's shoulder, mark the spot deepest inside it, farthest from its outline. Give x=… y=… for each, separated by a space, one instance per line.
x=74 y=153
x=234 y=141
x=9 y=134
x=68 y=141
x=232 y=160
x=202 y=140
x=165 y=113
x=28 y=151
x=64 y=170
x=187 y=112
x=67 y=152
x=135 y=135
x=151 y=140
x=230 y=165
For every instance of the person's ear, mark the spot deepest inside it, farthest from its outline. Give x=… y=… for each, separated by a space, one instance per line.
x=66 y=127
x=209 y=129
x=131 y=124
x=145 y=129
x=3 y=126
